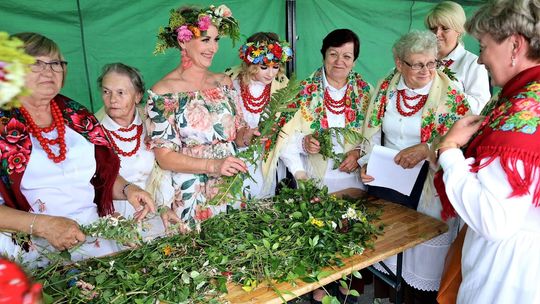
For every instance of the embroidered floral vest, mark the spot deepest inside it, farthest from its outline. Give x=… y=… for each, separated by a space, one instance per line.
x=16 y=148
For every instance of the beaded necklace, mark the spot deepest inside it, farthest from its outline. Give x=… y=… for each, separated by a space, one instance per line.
x=403 y=98
x=253 y=104
x=112 y=135
x=337 y=106
x=45 y=143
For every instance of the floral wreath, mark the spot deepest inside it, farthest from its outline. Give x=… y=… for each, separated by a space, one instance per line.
x=265 y=53
x=188 y=23
x=13 y=68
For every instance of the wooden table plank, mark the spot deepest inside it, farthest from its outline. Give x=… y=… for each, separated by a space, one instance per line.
x=404 y=228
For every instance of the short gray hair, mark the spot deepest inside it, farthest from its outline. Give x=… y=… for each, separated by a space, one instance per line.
x=503 y=18
x=415 y=42
x=132 y=73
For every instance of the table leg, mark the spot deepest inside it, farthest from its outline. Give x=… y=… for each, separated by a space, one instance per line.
x=394 y=280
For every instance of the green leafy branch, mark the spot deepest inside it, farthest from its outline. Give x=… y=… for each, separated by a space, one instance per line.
x=272 y=119
x=343 y=136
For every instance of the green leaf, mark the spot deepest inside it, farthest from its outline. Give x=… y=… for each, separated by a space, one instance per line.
x=296 y=214
x=357 y=274
x=275 y=246
x=323 y=274
x=100 y=278
x=354 y=293
x=315 y=240
x=187 y=184
x=266 y=243
x=194 y=274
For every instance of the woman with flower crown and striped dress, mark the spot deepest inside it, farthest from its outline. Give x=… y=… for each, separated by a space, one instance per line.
x=194 y=122
x=256 y=79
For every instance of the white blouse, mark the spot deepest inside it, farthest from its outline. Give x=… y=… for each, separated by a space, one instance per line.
x=136 y=168
x=61 y=189
x=472 y=76
x=257 y=188
x=500 y=260
x=295 y=158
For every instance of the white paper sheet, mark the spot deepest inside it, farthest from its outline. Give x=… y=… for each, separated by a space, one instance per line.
x=388 y=174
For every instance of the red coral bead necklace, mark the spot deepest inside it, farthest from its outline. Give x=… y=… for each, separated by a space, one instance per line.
x=112 y=135
x=336 y=106
x=58 y=124
x=253 y=104
x=413 y=109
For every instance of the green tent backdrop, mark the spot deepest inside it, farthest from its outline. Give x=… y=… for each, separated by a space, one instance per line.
x=92 y=33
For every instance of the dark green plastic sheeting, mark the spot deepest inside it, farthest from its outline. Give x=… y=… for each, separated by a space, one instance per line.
x=92 y=33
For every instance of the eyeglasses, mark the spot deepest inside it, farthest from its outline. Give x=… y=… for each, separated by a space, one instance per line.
x=40 y=66
x=419 y=66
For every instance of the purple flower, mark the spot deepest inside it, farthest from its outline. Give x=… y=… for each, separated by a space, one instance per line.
x=204 y=23
x=183 y=34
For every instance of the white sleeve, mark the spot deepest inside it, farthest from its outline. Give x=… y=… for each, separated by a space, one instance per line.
x=483 y=199
x=368 y=147
x=476 y=87
x=291 y=153
x=2 y=202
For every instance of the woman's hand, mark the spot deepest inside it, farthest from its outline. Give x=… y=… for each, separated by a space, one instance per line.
x=62 y=233
x=462 y=130
x=350 y=163
x=363 y=175
x=228 y=166
x=169 y=217
x=141 y=201
x=244 y=136
x=411 y=156
x=311 y=145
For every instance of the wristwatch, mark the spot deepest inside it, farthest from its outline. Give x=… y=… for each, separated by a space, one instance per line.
x=444 y=145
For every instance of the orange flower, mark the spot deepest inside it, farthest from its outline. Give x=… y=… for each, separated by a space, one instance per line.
x=167 y=250
x=526 y=115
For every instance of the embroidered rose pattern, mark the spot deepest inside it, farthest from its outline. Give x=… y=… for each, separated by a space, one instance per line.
x=358 y=93
x=15 y=147
x=525 y=109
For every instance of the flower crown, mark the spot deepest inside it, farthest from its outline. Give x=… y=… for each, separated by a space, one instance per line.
x=13 y=67
x=265 y=53
x=188 y=23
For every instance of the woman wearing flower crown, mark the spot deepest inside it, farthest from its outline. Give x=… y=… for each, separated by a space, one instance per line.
x=257 y=78
x=58 y=169
x=194 y=121
x=413 y=106
x=122 y=88
x=333 y=96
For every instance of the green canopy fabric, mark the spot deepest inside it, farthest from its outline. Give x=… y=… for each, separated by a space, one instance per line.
x=92 y=33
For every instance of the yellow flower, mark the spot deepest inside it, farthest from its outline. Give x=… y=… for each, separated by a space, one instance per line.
x=526 y=115
x=316 y=222
x=256 y=53
x=534 y=86
x=167 y=250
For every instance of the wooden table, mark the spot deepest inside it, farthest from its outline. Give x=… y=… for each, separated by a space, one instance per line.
x=404 y=228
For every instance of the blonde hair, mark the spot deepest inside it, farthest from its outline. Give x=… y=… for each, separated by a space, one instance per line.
x=248 y=71
x=448 y=14
x=503 y=18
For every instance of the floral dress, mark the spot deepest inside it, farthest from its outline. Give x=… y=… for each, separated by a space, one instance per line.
x=200 y=124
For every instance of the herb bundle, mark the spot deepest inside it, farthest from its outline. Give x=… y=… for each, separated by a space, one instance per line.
x=291 y=237
x=342 y=135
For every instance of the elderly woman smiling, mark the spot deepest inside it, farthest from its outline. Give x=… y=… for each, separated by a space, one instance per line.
x=412 y=107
